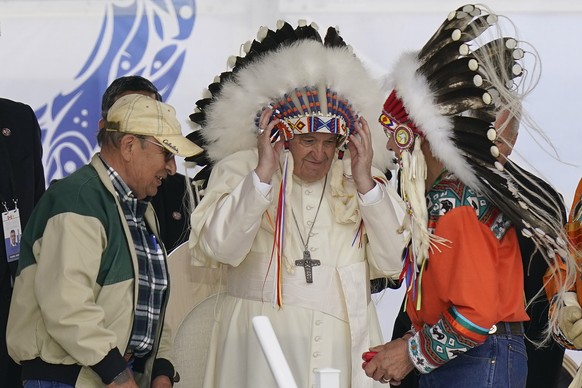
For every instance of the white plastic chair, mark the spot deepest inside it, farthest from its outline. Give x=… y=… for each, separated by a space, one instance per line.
x=192 y=342
x=190 y=314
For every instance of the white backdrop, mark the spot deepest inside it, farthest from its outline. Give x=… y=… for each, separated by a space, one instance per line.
x=45 y=44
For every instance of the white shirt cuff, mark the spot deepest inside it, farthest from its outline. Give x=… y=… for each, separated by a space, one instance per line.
x=372 y=196
x=262 y=188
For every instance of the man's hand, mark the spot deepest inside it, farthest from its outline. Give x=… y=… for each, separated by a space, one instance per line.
x=124 y=380
x=268 y=154
x=161 y=382
x=570 y=323
x=361 y=153
x=391 y=364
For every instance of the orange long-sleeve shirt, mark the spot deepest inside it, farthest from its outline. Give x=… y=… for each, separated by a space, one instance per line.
x=481 y=276
x=470 y=283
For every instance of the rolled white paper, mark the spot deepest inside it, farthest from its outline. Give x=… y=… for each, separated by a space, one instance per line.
x=273 y=353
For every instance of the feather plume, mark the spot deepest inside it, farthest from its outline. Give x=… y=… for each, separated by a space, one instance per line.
x=295 y=60
x=450 y=93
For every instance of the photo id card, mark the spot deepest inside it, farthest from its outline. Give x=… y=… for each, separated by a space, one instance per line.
x=12 y=233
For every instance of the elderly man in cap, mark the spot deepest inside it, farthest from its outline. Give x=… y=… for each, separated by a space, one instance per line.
x=92 y=282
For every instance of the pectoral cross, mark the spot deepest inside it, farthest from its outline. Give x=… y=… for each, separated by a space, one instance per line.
x=307 y=265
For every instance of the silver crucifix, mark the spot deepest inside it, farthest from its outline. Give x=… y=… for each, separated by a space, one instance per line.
x=307 y=265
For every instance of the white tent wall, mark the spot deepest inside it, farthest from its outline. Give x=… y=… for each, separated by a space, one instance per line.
x=44 y=44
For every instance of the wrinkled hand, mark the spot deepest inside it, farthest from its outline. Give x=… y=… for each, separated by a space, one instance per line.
x=123 y=380
x=361 y=153
x=570 y=322
x=161 y=382
x=391 y=363
x=268 y=153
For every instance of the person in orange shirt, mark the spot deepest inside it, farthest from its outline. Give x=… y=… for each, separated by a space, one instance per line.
x=545 y=362
x=570 y=318
x=463 y=269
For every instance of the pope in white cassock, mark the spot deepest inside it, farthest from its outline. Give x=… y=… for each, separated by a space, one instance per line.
x=296 y=207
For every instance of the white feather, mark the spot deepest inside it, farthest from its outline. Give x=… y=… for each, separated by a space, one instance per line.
x=413 y=89
x=231 y=119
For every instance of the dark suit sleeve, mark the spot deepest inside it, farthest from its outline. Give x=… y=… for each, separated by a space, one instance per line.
x=39 y=181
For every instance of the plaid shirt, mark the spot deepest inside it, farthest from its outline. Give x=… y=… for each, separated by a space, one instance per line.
x=153 y=277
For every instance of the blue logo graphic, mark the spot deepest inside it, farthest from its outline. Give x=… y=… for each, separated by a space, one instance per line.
x=137 y=37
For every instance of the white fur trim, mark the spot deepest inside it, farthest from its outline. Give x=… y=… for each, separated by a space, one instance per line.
x=231 y=119
x=414 y=91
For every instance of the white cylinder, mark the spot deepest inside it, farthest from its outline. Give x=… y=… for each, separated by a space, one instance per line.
x=327 y=378
x=273 y=353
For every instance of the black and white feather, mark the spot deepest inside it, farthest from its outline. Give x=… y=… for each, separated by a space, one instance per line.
x=452 y=90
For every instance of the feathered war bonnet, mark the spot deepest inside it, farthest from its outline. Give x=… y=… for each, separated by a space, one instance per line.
x=450 y=93
x=312 y=85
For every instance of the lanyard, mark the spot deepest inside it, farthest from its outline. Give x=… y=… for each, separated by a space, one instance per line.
x=8 y=163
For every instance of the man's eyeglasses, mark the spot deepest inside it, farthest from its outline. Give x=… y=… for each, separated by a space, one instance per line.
x=167 y=154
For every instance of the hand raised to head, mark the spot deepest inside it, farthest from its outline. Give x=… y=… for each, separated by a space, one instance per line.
x=268 y=153
x=361 y=152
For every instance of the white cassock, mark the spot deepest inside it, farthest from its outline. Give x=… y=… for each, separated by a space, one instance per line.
x=325 y=324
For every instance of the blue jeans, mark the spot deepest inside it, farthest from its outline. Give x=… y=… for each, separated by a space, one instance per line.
x=45 y=384
x=500 y=362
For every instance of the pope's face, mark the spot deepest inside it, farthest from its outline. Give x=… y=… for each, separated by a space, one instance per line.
x=312 y=154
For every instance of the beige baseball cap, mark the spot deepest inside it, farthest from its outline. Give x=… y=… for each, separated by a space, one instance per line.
x=142 y=115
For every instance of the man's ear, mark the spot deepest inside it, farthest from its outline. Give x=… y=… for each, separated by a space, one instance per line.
x=127 y=146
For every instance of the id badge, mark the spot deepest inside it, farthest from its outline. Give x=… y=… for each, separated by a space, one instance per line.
x=12 y=233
